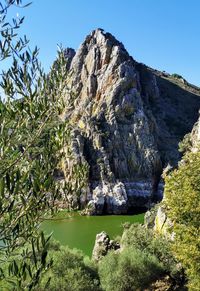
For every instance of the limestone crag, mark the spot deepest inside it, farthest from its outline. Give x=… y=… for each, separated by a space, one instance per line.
x=195 y=137
x=162 y=223
x=128 y=120
x=103 y=245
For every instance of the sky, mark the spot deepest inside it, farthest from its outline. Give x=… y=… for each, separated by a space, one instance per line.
x=163 y=34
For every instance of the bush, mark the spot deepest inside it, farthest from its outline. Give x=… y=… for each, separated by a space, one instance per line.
x=129 y=270
x=136 y=236
x=186 y=144
x=139 y=237
x=182 y=197
x=70 y=271
x=177 y=76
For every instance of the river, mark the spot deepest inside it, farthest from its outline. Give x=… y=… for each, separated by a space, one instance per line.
x=79 y=232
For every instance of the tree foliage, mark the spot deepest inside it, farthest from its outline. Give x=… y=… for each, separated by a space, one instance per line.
x=31 y=143
x=182 y=197
x=129 y=270
x=70 y=271
x=139 y=237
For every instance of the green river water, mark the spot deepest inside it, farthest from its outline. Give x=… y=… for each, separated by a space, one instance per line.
x=79 y=232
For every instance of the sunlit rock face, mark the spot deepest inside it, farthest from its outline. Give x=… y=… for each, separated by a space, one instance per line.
x=194 y=137
x=128 y=120
x=103 y=245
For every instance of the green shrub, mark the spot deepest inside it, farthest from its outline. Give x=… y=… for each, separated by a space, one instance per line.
x=182 y=197
x=70 y=272
x=136 y=236
x=186 y=144
x=177 y=76
x=129 y=270
x=139 y=237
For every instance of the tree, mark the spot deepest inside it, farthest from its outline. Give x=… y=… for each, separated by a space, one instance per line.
x=182 y=197
x=70 y=271
x=31 y=140
x=129 y=270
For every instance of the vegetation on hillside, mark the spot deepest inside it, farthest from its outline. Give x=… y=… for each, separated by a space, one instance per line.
x=177 y=76
x=182 y=197
x=143 y=261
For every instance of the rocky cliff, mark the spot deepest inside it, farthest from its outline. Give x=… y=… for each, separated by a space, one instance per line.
x=191 y=141
x=127 y=121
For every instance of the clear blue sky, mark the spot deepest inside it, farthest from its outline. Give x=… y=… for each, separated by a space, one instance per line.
x=164 y=34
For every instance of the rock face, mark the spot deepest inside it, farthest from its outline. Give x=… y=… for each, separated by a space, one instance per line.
x=128 y=120
x=191 y=141
x=162 y=223
x=194 y=137
x=103 y=245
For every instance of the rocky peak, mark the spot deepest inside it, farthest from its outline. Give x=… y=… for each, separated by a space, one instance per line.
x=96 y=67
x=97 y=50
x=128 y=120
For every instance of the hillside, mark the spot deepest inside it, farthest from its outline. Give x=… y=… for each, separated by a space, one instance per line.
x=127 y=122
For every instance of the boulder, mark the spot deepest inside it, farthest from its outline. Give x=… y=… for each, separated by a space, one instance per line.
x=103 y=245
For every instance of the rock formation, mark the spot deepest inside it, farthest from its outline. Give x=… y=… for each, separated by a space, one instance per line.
x=163 y=224
x=191 y=141
x=195 y=136
x=128 y=120
x=103 y=245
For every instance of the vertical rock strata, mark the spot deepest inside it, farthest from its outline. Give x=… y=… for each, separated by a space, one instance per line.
x=120 y=111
